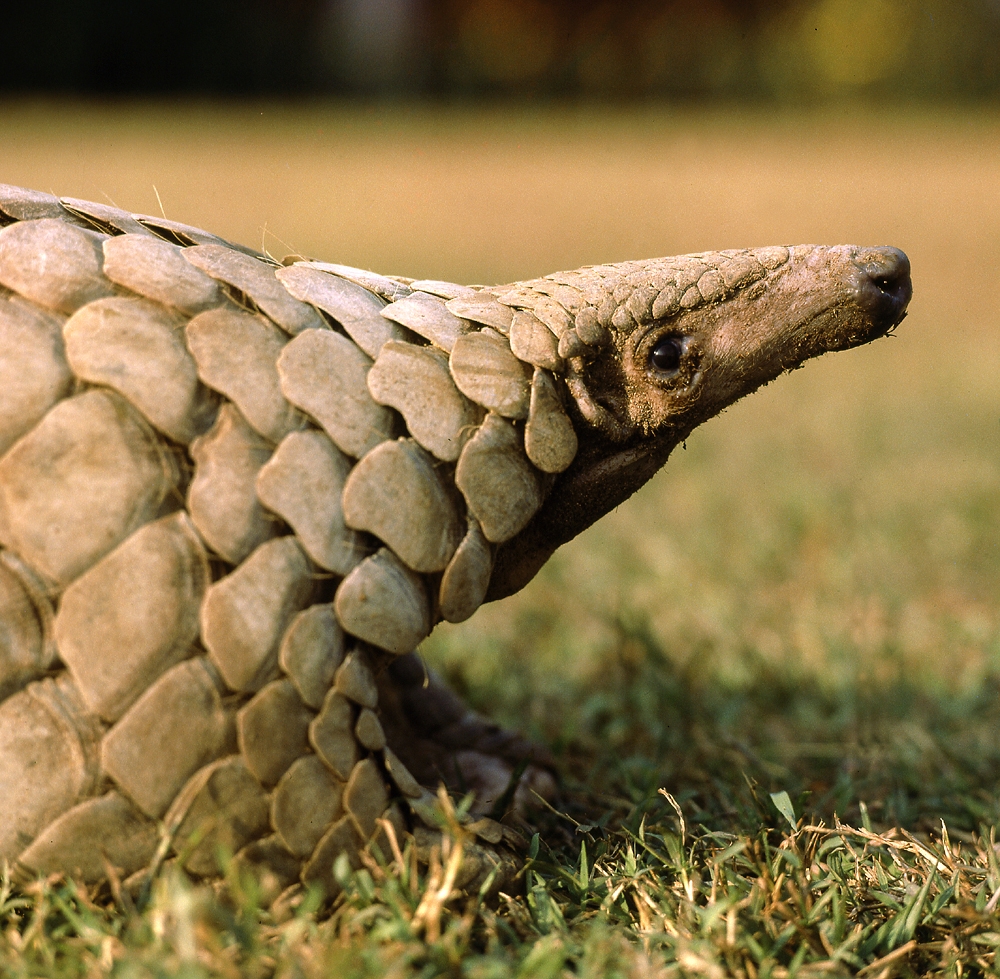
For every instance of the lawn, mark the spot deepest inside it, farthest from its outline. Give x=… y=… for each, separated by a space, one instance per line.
x=793 y=631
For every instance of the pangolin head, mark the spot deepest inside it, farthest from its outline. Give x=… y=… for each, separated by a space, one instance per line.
x=674 y=341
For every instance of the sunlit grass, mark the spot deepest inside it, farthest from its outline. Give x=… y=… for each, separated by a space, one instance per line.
x=656 y=893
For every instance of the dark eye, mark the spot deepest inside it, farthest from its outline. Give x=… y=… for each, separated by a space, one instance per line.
x=666 y=355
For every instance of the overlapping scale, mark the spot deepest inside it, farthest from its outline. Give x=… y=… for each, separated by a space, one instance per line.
x=302 y=483
x=549 y=437
x=236 y=354
x=34 y=374
x=384 y=602
x=325 y=375
x=341 y=839
x=134 y=614
x=467 y=577
x=222 y=498
x=272 y=731
x=396 y=493
x=366 y=796
x=156 y=269
x=245 y=614
x=84 y=840
x=136 y=347
x=355 y=680
x=331 y=735
x=381 y=285
x=220 y=809
x=182 y=722
x=26 y=647
x=428 y=316
x=533 y=342
x=86 y=476
x=487 y=372
x=482 y=307
x=502 y=489
x=257 y=280
x=53 y=264
x=49 y=759
x=356 y=309
x=104 y=218
x=442 y=289
x=417 y=382
x=311 y=651
x=307 y=800
x=23 y=204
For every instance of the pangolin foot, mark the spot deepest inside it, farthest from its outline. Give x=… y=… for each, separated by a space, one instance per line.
x=440 y=740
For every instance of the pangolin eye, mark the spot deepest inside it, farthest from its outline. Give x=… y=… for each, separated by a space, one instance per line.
x=665 y=357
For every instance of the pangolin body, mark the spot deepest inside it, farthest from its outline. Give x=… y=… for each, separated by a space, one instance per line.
x=235 y=496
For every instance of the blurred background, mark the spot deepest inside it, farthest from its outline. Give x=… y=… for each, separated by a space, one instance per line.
x=773 y=50
x=811 y=591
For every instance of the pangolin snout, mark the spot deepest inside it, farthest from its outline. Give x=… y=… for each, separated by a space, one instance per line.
x=883 y=285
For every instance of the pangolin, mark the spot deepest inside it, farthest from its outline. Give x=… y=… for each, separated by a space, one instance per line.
x=236 y=495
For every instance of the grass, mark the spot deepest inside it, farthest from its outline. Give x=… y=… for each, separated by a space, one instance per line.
x=725 y=879
x=793 y=632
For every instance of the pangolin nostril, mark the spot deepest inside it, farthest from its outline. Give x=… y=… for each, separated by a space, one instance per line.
x=883 y=284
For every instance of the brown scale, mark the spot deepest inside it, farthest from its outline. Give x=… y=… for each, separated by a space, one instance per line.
x=236 y=496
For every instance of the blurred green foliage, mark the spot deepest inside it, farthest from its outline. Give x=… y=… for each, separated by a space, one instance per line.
x=786 y=51
x=761 y=50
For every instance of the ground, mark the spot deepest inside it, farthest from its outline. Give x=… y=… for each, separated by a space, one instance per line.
x=797 y=621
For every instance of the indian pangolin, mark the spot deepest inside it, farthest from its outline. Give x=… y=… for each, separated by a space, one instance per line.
x=236 y=495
